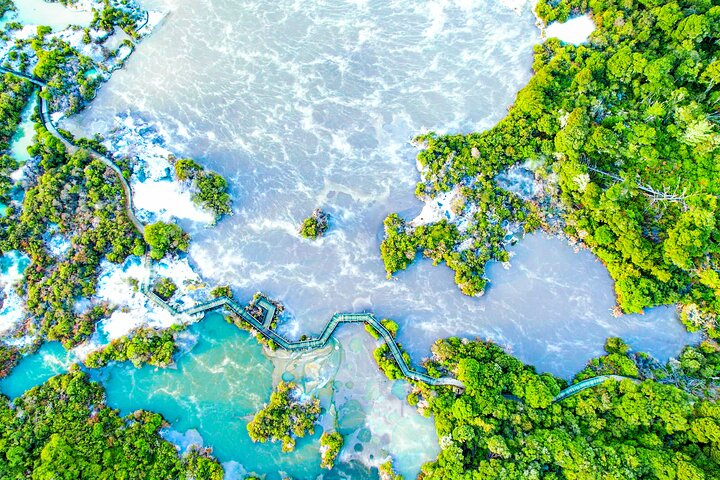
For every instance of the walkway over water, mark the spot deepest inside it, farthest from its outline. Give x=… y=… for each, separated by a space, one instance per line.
x=264 y=327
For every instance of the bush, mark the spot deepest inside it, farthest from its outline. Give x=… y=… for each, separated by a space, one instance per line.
x=165 y=288
x=222 y=291
x=315 y=225
x=330 y=445
x=285 y=418
x=165 y=238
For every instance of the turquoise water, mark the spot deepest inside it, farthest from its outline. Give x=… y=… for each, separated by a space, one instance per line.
x=224 y=378
x=50 y=360
x=24 y=133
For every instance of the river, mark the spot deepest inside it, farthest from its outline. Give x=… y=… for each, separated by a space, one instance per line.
x=304 y=104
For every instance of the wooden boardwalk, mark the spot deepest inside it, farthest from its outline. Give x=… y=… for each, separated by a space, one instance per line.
x=263 y=327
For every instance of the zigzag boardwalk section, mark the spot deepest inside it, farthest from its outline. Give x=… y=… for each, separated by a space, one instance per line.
x=263 y=327
x=72 y=148
x=270 y=310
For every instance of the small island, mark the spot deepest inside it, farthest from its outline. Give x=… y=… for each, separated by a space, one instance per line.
x=315 y=225
x=287 y=417
x=330 y=445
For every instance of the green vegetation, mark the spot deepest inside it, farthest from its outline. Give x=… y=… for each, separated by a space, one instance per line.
x=64 y=430
x=390 y=325
x=15 y=95
x=7 y=166
x=286 y=418
x=76 y=196
x=387 y=471
x=142 y=346
x=165 y=288
x=330 y=445
x=211 y=188
x=69 y=87
x=625 y=130
x=9 y=357
x=165 y=238
x=505 y=425
x=222 y=291
x=616 y=362
x=122 y=13
x=386 y=362
x=6 y=6
x=315 y=225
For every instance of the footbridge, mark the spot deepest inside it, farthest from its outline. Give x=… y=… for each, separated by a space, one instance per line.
x=264 y=326
x=589 y=383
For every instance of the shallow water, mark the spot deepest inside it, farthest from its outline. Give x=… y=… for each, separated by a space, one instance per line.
x=305 y=104
x=25 y=132
x=54 y=15
x=50 y=360
x=224 y=378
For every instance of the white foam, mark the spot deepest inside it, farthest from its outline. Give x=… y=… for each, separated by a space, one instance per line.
x=155 y=195
x=167 y=200
x=438 y=208
x=134 y=308
x=13 y=306
x=576 y=30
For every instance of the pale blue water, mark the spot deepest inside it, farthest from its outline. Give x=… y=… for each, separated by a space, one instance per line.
x=216 y=387
x=50 y=360
x=40 y=12
x=23 y=136
x=306 y=103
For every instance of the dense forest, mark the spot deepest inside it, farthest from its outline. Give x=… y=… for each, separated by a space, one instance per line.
x=77 y=197
x=505 y=425
x=64 y=430
x=624 y=134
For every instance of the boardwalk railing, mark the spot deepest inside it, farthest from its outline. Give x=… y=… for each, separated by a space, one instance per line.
x=269 y=310
x=589 y=383
x=264 y=327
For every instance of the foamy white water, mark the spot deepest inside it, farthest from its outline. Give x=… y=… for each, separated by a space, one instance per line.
x=304 y=104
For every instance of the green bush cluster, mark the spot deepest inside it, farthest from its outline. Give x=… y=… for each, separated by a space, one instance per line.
x=211 y=187
x=505 y=425
x=65 y=71
x=6 y=6
x=165 y=238
x=387 y=471
x=15 y=95
x=64 y=430
x=142 y=346
x=628 y=123
x=387 y=363
x=315 y=225
x=122 y=13
x=330 y=445
x=81 y=199
x=9 y=357
x=285 y=418
x=222 y=291
x=390 y=325
x=165 y=288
